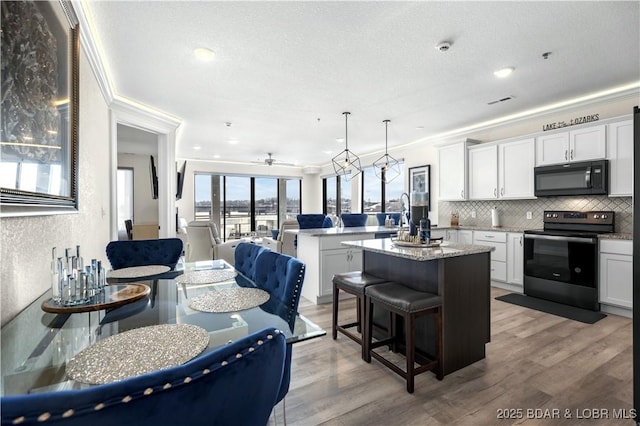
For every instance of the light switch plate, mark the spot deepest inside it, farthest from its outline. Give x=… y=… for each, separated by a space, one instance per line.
x=529 y=215
x=473 y=214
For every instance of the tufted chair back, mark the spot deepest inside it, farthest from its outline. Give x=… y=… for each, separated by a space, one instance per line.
x=245 y=258
x=382 y=216
x=127 y=253
x=282 y=276
x=310 y=221
x=354 y=219
x=236 y=383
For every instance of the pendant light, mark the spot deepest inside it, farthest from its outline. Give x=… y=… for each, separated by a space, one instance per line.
x=346 y=164
x=386 y=167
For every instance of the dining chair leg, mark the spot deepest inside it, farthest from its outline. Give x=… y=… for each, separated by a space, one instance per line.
x=334 y=324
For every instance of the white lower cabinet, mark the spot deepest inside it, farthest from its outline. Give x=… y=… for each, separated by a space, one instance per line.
x=498 y=240
x=450 y=235
x=336 y=262
x=616 y=273
x=465 y=236
x=515 y=259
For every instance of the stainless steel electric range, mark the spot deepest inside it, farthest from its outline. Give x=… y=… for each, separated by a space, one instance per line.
x=561 y=261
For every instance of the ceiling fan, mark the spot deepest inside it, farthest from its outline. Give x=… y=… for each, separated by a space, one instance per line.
x=270 y=161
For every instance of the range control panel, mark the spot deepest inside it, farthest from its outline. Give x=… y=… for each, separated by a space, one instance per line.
x=597 y=217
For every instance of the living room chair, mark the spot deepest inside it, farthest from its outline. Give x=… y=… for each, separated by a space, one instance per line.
x=234 y=384
x=204 y=243
x=283 y=242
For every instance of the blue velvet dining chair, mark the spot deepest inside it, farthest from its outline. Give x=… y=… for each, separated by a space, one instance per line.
x=245 y=258
x=350 y=220
x=236 y=384
x=383 y=216
x=128 y=253
x=282 y=276
x=313 y=220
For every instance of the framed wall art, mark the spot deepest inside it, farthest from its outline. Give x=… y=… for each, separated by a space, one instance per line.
x=420 y=180
x=40 y=101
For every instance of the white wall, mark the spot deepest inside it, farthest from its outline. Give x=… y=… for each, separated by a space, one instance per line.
x=26 y=242
x=145 y=208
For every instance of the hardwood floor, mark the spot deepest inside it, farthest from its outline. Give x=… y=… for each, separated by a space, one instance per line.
x=534 y=361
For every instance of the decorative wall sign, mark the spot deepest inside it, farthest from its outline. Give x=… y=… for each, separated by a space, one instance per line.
x=39 y=132
x=572 y=122
x=420 y=180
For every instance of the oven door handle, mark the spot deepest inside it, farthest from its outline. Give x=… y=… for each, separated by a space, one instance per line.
x=561 y=238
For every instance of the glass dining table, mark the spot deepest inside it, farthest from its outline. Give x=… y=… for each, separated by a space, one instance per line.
x=37 y=345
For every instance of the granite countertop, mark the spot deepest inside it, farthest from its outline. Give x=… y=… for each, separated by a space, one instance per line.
x=387 y=246
x=321 y=232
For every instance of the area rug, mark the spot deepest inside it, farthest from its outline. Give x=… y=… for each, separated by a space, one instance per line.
x=565 y=311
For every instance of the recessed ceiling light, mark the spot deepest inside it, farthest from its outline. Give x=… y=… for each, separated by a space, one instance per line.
x=204 y=54
x=233 y=142
x=197 y=148
x=216 y=156
x=502 y=73
x=328 y=152
x=339 y=140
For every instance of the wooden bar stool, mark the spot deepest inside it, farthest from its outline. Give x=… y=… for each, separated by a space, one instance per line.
x=352 y=283
x=409 y=304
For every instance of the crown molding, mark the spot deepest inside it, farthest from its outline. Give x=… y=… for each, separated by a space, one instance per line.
x=90 y=48
x=128 y=111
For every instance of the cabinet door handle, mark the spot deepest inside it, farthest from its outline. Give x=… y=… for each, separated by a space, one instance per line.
x=495 y=192
x=462 y=194
x=565 y=155
x=489 y=236
x=520 y=241
x=502 y=191
x=571 y=157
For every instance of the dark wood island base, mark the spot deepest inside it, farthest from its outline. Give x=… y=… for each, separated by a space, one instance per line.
x=460 y=274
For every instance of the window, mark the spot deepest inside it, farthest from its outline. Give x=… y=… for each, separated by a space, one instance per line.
x=345 y=196
x=371 y=191
x=266 y=205
x=330 y=190
x=242 y=206
x=378 y=197
x=292 y=196
x=237 y=207
x=392 y=192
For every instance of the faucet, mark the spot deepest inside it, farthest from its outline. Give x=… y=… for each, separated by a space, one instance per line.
x=402 y=209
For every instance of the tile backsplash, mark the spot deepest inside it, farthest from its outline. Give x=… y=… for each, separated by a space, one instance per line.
x=513 y=213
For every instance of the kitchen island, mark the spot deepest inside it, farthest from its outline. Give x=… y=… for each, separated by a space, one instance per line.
x=324 y=255
x=459 y=273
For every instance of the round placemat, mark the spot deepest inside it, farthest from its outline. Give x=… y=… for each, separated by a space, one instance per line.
x=138 y=271
x=229 y=300
x=208 y=276
x=138 y=351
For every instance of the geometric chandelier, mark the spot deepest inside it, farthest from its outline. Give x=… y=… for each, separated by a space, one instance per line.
x=386 y=167
x=346 y=164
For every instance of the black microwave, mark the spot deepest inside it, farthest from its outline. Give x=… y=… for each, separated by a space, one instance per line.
x=584 y=178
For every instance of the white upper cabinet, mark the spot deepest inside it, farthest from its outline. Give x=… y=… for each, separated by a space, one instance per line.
x=620 y=155
x=501 y=171
x=483 y=172
x=452 y=171
x=588 y=143
x=515 y=169
x=552 y=149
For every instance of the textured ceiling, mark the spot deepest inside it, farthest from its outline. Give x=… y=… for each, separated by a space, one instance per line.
x=285 y=71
